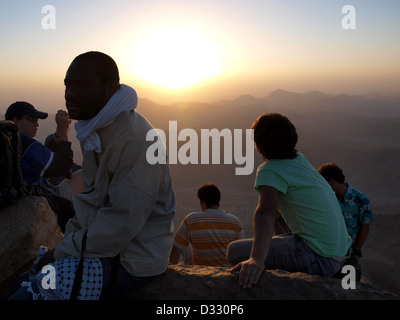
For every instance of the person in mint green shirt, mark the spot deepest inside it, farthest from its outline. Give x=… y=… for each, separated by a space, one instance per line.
x=290 y=187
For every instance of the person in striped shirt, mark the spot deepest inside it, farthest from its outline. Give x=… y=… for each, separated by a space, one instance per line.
x=208 y=232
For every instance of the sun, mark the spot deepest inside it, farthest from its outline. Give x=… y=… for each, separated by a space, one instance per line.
x=175 y=58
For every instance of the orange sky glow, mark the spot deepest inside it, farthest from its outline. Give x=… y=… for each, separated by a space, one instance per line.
x=205 y=51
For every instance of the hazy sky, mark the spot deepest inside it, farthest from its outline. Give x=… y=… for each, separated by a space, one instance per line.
x=232 y=47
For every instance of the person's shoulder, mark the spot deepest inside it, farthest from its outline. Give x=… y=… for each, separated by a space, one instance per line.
x=265 y=166
x=233 y=216
x=135 y=117
x=193 y=216
x=356 y=193
x=128 y=123
x=27 y=139
x=124 y=119
x=271 y=166
x=222 y=215
x=234 y=219
x=29 y=142
x=276 y=164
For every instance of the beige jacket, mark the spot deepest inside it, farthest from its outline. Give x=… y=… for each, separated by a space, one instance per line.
x=128 y=205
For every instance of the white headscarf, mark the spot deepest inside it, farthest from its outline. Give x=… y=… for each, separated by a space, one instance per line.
x=123 y=100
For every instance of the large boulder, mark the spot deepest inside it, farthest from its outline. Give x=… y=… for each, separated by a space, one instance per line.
x=183 y=282
x=24 y=227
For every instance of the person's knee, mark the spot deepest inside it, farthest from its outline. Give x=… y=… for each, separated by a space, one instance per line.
x=232 y=253
x=228 y=254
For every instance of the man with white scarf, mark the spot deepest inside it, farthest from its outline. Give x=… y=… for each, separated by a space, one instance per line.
x=127 y=207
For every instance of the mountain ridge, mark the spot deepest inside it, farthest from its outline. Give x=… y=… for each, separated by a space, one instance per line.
x=360 y=133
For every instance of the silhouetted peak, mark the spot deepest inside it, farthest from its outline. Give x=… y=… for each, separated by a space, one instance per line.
x=245 y=99
x=316 y=94
x=280 y=92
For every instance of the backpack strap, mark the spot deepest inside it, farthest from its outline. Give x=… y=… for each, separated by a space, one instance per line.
x=8 y=149
x=9 y=192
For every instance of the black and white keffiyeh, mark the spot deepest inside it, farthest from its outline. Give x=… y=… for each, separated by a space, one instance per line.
x=65 y=269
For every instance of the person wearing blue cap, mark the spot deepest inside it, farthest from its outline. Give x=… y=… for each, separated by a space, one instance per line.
x=39 y=163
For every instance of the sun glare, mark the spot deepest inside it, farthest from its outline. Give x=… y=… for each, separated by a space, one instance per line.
x=175 y=58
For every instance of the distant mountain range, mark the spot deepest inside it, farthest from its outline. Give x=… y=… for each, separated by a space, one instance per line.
x=359 y=132
x=287 y=101
x=241 y=112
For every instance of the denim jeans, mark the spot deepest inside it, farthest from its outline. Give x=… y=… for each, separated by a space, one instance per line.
x=123 y=280
x=287 y=252
x=17 y=292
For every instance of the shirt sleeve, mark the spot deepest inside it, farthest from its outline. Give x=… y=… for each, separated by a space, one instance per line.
x=366 y=215
x=182 y=239
x=266 y=176
x=62 y=160
x=36 y=160
x=240 y=235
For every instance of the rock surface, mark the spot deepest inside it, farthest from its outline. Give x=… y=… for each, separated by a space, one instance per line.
x=24 y=227
x=31 y=223
x=182 y=282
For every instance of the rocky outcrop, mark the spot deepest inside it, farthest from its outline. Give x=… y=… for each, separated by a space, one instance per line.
x=24 y=227
x=31 y=223
x=182 y=282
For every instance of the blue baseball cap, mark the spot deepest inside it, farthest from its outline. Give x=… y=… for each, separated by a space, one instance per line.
x=22 y=108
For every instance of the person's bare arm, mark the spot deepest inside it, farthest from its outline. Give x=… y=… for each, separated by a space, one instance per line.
x=63 y=122
x=361 y=237
x=174 y=256
x=263 y=227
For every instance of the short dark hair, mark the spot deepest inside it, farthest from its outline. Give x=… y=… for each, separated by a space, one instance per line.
x=332 y=171
x=209 y=194
x=275 y=136
x=105 y=65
